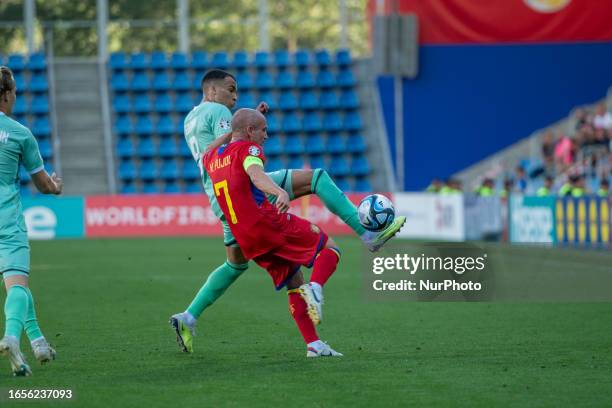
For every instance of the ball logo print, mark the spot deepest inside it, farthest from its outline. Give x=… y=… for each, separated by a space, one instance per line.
x=547 y=6
x=376 y=212
x=254 y=151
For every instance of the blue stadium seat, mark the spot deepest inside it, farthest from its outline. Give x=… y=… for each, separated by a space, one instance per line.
x=328 y=100
x=140 y=82
x=273 y=146
x=169 y=170
x=338 y=167
x=125 y=148
x=146 y=148
x=355 y=144
x=171 y=188
x=183 y=103
x=291 y=123
x=184 y=151
x=331 y=122
x=295 y=162
x=287 y=101
x=16 y=62
x=273 y=123
x=39 y=104
x=362 y=185
x=197 y=81
x=161 y=82
x=189 y=170
x=148 y=170
x=268 y=98
x=274 y=164
x=139 y=61
x=20 y=106
x=21 y=119
x=308 y=100
x=284 y=80
x=314 y=144
x=122 y=104
x=46 y=150
x=162 y=103
x=246 y=100
x=168 y=148
x=159 y=60
x=244 y=81
x=240 y=60
x=119 y=82
x=41 y=127
x=302 y=58
x=127 y=170
x=199 y=60
x=323 y=58
x=150 y=188
x=178 y=61
x=305 y=80
x=128 y=188
x=165 y=125
x=38 y=83
x=144 y=126
x=194 y=188
x=345 y=78
x=294 y=145
x=317 y=162
x=343 y=58
x=264 y=80
x=352 y=121
x=281 y=59
x=325 y=79
x=20 y=82
x=142 y=103
x=118 y=61
x=124 y=125
x=311 y=122
x=220 y=60
x=360 y=166
x=179 y=127
x=335 y=144
x=349 y=100
x=262 y=60
x=37 y=62
x=343 y=184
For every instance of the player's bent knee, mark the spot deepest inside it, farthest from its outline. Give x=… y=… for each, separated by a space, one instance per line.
x=235 y=255
x=12 y=279
x=318 y=175
x=296 y=281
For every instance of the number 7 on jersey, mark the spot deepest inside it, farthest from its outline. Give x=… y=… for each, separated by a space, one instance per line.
x=222 y=185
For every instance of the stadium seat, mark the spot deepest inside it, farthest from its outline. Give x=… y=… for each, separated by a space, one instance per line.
x=304 y=80
x=184 y=151
x=122 y=104
x=178 y=61
x=343 y=184
x=360 y=166
x=146 y=148
x=328 y=100
x=349 y=100
x=311 y=122
x=171 y=188
x=338 y=167
x=355 y=144
x=142 y=103
x=267 y=97
x=39 y=105
x=119 y=82
x=294 y=145
x=181 y=82
x=168 y=148
x=124 y=125
x=41 y=127
x=245 y=81
x=20 y=106
x=295 y=162
x=291 y=123
x=148 y=170
x=199 y=60
x=118 y=61
x=20 y=82
x=189 y=170
x=16 y=62
x=308 y=101
x=273 y=123
x=314 y=144
x=274 y=164
x=128 y=188
x=165 y=125
x=140 y=82
x=264 y=80
x=38 y=84
x=169 y=170
x=162 y=103
x=284 y=80
x=281 y=58
x=179 y=127
x=125 y=148
x=183 y=103
x=331 y=122
x=273 y=146
x=343 y=58
x=287 y=101
x=194 y=187
x=246 y=100
x=362 y=185
x=37 y=62
x=144 y=126
x=159 y=60
x=22 y=119
x=317 y=162
x=150 y=188
x=352 y=121
x=322 y=58
x=325 y=79
x=127 y=170
x=262 y=60
x=197 y=81
x=139 y=61
x=302 y=58
x=345 y=78
x=46 y=150
x=335 y=144
x=219 y=60
x=161 y=82
x=240 y=60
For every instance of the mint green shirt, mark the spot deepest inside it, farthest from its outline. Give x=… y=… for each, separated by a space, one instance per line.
x=205 y=123
x=17 y=146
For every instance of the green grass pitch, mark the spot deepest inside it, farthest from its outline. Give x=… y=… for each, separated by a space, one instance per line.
x=105 y=304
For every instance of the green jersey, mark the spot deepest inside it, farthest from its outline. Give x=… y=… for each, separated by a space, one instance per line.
x=205 y=123
x=17 y=146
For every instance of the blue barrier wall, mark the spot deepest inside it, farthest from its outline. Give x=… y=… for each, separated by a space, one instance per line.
x=470 y=101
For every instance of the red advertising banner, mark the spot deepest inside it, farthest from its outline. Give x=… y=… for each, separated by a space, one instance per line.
x=504 y=21
x=182 y=215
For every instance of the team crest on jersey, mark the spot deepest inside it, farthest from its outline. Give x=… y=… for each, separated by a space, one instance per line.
x=225 y=124
x=4 y=136
x=547 y=6
x=254 y=151
x=314 y=229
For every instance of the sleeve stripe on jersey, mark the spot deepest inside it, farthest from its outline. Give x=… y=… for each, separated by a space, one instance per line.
x=36 y=170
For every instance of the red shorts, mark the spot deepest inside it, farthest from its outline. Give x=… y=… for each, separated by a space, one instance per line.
x=303 y=242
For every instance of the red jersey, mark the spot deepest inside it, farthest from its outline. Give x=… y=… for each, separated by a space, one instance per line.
x=254 y=221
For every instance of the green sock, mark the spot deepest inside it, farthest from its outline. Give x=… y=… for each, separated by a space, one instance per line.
x=31 y=323
x=15 y=310
x=335 y=200
x=216 y=284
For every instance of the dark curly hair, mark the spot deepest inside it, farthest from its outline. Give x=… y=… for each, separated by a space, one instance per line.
x=7 y=82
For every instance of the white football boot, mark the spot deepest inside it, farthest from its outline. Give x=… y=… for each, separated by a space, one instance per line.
x=9 y=347
x=321 y=349
x=43 y=351
x=375 y=240
x=313 y=296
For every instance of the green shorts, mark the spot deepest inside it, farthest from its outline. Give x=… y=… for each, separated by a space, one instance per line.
x=15 y=255
x=283 y=179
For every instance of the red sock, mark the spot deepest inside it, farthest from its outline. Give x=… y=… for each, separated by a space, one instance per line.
x=299 y=311
x=325 y=265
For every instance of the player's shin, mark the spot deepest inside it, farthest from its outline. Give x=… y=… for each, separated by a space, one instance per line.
x=31 y=323
x=299 y=312
x=325 y=265
x=15 y=310
x=334 y=199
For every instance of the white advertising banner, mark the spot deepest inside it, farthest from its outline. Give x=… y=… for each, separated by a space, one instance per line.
x=431 y=216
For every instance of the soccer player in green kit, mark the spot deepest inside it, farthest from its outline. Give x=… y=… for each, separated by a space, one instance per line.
x=18 y=146
x=212 y=119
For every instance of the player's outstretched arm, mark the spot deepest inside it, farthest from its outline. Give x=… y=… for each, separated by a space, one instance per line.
x=47 y=184
x=220 y=141
x=263 y=182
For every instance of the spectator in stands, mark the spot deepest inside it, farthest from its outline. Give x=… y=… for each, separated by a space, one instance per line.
x=603 y=118
x=487 y=188
x=566 y=188
x=452 y=186
x=521 y=180
x=564 y=152
x=508 y=187
x=578 y=187
x=604 y=188
x=600 y=138
x=544 y=191
x=435 y=186
x=548 y=149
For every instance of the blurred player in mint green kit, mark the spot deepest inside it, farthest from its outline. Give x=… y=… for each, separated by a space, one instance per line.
x=210 y=120
x=18 y=146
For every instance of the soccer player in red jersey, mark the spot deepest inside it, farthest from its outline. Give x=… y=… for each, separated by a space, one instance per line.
x=277 y=241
